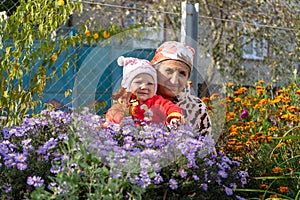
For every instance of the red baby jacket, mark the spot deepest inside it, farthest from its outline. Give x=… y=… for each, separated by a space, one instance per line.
x=161 y=110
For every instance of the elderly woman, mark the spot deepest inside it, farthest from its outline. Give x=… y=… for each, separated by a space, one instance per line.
x=174 y=62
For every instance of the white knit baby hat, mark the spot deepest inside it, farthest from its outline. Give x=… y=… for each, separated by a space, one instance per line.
x=133 y=67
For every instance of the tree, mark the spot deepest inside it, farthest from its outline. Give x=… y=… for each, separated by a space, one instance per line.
x=33 y=21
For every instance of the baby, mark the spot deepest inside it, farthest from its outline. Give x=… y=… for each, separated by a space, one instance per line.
x=141 y=101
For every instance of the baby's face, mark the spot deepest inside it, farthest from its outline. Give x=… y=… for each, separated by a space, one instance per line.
x=143 y=86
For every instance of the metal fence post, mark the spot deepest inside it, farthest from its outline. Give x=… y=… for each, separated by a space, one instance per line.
x=189 y=34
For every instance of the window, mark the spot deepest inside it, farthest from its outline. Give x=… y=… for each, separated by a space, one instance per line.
x=255 y=49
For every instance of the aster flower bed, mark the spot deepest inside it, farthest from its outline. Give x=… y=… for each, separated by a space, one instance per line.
x=262 y=131
x=69 y=155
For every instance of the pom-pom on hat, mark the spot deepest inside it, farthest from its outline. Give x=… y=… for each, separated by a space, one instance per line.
x=173 y=50
x=133 y=67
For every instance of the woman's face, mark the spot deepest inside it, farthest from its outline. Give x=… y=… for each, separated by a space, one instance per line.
x=143 y=86
x=172 y=76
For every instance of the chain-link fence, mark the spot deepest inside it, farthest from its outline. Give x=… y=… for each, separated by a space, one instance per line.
x=93 y=74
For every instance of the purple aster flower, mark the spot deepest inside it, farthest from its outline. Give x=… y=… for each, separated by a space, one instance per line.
x=195 y=177
x=26 y=144
x=228 y=190
x=30 y=180
x=63 y=136
x=55 y=169
x=20 y=132
x=160 y=142
x=134 y=180
x=12 y=131
x=210 y=163
x=145 y=164
x=35 y=181
x=244 y=114
x=243 y=181
x=223 y=174
x=3 y=149
x=173 y=184
x=52 y=186
x=22 y=166
x=115 y=174
x=158 y=179
x=243 y=174
x=149 y=142
x=6 y=133
x=38 y=182
x=156 y=167
x=10 y=162
x=225 y=159
x=6 y=187
x=182 y=173
x=65 y=157
x=239 y=197
x=41 y=150
x=20 y=157
x=50 y=144
x=224 y=165
x=204 y=186
x=145 y=182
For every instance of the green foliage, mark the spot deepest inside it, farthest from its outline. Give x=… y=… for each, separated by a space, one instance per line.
x=28 y=51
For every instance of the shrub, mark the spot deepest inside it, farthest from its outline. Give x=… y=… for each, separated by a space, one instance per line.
x=63 y=155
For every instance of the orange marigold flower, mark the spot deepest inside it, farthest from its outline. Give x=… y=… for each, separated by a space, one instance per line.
x=237 y=100
x=236 y=93
x=205 y=99
x=297 y=91
x=263 y=186
x=263 y=101
x=259 y=87
x=292 y=108
x=257 y=106
x=210 y=107
x=275 y=196
x=233 y=128
x=280 y=145
x=232 y=134
x=283 y=189
x=88 y=33
x=242 y=90
x=289 y=117
x=262 y=110
x=279 y=92
x=277 y=170
x=245 y=134
x=230 y=84
x=54 y=57
x=61 y=2
x=290 y=169
x=230 y=115
x=260 y=91
x=273 y=128
x=96 y=36
x=238 y=147
x=248 y=143
x=106 y=34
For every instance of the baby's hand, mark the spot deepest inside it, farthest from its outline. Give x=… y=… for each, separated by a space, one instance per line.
x=175 y=121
